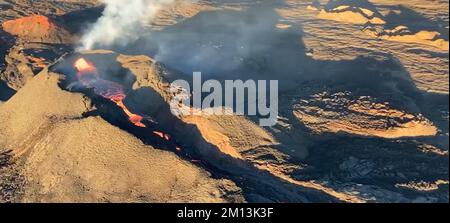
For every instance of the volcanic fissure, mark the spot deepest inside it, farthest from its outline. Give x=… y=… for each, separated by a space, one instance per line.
x=110 y=87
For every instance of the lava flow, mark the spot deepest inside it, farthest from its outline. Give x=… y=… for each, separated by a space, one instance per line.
x=88 y=75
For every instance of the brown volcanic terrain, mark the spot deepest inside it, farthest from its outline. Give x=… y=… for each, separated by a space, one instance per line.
x=342 y=114
x=363 y=110
x=422 y=50
x=60 y=169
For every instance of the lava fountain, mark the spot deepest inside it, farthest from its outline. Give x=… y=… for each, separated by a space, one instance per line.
x=89 y=77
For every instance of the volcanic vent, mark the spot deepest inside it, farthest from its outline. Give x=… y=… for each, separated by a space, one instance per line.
x=110 y=86
x=89 y=77
x=131 y=92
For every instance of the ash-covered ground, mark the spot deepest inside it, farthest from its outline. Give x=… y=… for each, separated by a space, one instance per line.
x=363 y=103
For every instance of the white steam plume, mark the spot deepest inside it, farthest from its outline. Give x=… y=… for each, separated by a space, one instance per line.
x=121 y=21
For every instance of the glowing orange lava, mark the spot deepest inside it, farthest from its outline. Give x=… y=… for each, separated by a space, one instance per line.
x=162 y=135
x=83 y=66
x=88 y=75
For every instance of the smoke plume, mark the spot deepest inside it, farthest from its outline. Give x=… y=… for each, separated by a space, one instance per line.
x=121 y=22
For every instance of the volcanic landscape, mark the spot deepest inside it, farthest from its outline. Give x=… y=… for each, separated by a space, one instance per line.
x=363 y=101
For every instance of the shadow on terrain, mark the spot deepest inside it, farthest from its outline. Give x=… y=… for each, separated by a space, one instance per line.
x=247 y=45
x=257 y=184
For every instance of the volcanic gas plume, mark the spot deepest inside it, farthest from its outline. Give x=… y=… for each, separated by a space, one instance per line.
x=120 y=22
x=363 y=101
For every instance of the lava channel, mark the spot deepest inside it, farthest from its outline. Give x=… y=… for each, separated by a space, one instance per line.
x=88 y=75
